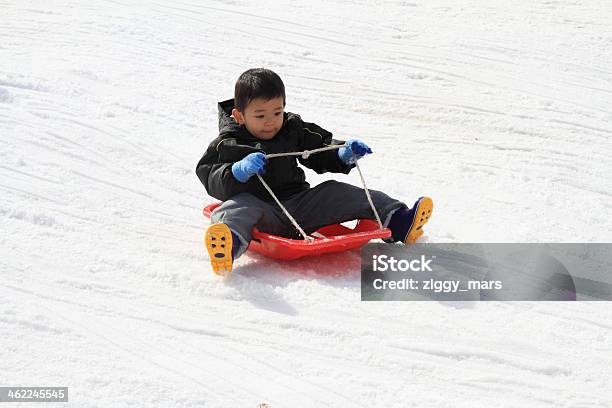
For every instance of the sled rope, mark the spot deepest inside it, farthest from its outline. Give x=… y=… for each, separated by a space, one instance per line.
x=293 y=221
x=367 y=191
x=305 y=154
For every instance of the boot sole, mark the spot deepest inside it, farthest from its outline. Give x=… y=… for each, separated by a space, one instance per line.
x=218 y=242
x=421 y=216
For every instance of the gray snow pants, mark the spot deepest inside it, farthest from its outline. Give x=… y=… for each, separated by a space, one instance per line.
x=330 y=202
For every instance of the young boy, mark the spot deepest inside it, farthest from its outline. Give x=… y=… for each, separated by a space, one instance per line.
x=254 y=124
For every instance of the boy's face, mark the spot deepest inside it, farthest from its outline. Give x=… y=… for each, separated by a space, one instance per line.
x=263 y=119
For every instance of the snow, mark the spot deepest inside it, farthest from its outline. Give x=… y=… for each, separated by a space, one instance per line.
x=500 y=111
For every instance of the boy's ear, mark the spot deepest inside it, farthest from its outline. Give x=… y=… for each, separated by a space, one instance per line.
x=238 y=116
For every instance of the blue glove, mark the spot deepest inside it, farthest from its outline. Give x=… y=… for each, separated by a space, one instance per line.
x=353 y=151
x=252 y=164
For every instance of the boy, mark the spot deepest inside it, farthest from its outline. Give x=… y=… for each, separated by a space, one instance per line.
x=254 y=124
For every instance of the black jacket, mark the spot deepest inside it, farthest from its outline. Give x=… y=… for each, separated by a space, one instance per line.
x=283 y=174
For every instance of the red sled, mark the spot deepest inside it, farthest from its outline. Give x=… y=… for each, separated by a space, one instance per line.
x=331 y=238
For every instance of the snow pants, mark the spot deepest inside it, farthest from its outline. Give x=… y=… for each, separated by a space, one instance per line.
x=330 y=202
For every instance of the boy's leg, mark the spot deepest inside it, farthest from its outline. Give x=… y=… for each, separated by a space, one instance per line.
x=333 y=202
x=243 y=212
x=231 y=228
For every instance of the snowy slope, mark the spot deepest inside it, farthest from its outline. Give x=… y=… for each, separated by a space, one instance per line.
x=501 y=111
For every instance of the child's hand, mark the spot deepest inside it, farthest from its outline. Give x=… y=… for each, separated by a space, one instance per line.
x=353 y=151
x=252 y=164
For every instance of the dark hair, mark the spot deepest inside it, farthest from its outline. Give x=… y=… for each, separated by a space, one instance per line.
x=257 y=83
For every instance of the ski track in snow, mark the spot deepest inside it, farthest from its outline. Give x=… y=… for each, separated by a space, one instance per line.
x=501 y=113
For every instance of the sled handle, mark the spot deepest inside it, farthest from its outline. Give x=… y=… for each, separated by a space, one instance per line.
x=305 y=154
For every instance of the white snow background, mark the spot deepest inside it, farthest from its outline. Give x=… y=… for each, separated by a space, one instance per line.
x=499 y=110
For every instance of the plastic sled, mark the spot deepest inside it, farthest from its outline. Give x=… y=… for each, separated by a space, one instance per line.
x=331 y=238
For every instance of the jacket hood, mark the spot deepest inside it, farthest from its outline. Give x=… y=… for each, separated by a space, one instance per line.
x=226 y=122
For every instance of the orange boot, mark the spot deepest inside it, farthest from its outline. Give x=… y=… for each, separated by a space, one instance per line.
x=219 y=244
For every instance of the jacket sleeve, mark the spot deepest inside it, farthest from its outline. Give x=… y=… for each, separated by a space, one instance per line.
x=314 y=137
x=216 y=174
